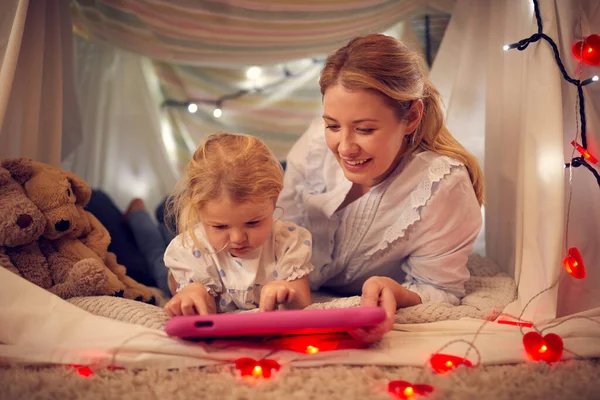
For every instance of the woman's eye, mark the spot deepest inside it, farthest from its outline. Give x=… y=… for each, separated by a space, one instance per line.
x=334 y=128
x=365 y=130
x=252 y=223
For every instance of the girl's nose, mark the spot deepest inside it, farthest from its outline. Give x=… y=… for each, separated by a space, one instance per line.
x=238 y=236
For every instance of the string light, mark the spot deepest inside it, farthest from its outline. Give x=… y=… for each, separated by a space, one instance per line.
x=192 y=108
x=406 y=390
x=249 y=367
x=548 y=348
x=586 y=154
x=574 y=263
x=522 y=45
x=442 y=363
x=252 y=73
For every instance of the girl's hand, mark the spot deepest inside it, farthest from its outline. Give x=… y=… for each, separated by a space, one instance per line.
x=191 y=300
x=275 y=293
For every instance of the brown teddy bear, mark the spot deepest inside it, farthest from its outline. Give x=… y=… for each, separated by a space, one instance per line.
x=21 y=226
x=74 y=233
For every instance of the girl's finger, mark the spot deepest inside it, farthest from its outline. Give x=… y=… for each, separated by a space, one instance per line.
x=282 y=295
x=187 y=307
x=267 y=301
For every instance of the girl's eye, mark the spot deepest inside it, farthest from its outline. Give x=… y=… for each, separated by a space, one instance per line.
x=252 y=223
x=220 y=227
x=334 y=128
x=365 y=130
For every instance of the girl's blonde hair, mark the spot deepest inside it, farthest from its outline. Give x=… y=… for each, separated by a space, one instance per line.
x=240 y=168
x=382 y=63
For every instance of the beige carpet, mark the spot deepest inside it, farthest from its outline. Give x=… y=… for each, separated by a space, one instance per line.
x=566 y=380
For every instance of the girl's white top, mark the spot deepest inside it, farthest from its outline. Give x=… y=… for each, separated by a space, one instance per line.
x=417 y=227
x=236 y=282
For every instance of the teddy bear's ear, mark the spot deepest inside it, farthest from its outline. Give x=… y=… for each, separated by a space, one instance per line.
x=21 y=169
x=82 y=190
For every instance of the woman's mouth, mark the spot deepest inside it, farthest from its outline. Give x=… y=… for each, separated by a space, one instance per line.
x=356 y=165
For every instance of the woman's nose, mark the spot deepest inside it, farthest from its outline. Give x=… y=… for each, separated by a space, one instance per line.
x=347 y=147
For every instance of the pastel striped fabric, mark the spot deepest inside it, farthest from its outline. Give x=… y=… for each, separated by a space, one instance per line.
x=209 y=32
x=201 y=50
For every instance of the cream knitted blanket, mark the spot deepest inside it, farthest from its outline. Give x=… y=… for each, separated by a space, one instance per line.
x=488 y=291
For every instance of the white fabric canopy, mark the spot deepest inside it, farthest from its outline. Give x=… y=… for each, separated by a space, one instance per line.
x=122 y=151
x=39 y=117
x=521 y=135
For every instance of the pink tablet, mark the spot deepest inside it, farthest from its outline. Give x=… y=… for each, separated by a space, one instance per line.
x=293 y=322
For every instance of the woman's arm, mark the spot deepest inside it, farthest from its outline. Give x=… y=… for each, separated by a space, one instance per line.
x=295 y=174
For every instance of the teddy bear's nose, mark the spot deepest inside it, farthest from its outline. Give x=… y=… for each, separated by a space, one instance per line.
x=62 y=225
x=24 y=220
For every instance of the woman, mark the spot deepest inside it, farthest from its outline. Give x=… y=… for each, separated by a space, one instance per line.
x=391 y=198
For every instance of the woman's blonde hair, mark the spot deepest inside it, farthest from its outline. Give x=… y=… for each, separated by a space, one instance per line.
x=382 y=63
x=240 y=168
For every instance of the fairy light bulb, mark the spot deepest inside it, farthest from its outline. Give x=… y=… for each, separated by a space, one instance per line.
x=257 y=371
x=253 y=73
x=573 y=263
x=586 y=154
x=192 y=108
x=217 y=113
x=505 y=47
x=409 y=392
x=312 y=349
x=543 y=349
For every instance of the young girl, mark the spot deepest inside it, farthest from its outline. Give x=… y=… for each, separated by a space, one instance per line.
x=231 y=253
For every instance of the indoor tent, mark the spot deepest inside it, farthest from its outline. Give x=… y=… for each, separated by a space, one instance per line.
x=512 y=109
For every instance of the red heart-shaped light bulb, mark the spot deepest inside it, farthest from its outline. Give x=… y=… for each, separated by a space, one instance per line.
x=574 y=263
x=257 y=369
x=548 y=348
x=406 y=390
x=442 y=363
x=588 y=50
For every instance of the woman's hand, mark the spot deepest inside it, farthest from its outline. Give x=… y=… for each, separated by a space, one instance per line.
x=379 y=291
x=191 y=300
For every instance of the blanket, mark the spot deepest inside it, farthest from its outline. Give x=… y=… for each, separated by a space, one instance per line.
x=488 y=291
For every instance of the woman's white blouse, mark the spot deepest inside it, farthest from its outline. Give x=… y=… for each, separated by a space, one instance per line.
x=417 y=227
x=236 y=282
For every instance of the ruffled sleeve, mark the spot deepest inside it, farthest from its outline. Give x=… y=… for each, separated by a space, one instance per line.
x=449 y=222
x=293 y=251
x=303 y=173
x=189 y=264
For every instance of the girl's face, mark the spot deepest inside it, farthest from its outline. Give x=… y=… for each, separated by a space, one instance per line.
x=239 y=228
x=364 y=134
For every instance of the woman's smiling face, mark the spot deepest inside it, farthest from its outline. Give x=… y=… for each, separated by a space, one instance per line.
x=364 y=133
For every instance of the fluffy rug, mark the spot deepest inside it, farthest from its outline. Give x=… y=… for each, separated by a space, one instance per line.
x=565 y=380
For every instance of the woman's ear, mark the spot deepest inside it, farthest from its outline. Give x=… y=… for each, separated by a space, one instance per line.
x=414 y=116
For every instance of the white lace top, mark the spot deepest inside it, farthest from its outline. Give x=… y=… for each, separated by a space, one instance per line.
x=236 y=282
x=417 y=227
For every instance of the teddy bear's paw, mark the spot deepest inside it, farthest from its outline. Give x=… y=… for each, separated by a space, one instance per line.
x=93 y=279
x=138 y=293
